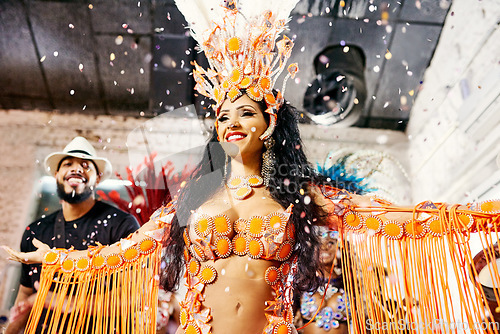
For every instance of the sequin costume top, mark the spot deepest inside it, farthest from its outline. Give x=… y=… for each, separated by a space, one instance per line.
x=269 y=237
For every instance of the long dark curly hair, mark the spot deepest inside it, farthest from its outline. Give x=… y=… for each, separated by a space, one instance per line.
x=289 y=184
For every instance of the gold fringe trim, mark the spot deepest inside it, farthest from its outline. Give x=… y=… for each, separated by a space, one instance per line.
x=401 y=283
x=106 y=300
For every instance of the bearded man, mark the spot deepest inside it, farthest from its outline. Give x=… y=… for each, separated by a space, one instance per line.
x=83 y=221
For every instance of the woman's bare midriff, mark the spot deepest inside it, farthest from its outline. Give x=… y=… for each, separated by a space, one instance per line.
x=238 y=297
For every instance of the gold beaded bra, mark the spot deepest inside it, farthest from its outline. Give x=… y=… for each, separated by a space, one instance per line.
x=268 y=237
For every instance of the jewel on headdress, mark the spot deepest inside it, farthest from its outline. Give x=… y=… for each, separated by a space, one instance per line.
x=245 y=82
x=254 y=93
x=264 y=84
x=270 y=99
x=233 y=45
x=293 y=69
x=233 y=94
x=226 y=84
x=236 y=76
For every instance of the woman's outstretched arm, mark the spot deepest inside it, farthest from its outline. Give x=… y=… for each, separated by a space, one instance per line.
x=104 y=288
x=418 y=258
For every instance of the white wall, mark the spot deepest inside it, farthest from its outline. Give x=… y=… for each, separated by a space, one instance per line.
x=454 y=127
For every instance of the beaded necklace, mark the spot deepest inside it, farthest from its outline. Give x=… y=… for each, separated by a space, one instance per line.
x=241 y=186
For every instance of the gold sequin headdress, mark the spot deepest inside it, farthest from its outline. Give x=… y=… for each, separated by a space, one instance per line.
x=240 y=41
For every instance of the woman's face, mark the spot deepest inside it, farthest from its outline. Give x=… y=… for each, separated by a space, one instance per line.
x=327 y=250
x=241 y=123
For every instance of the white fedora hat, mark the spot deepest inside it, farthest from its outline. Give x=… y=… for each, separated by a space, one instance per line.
x=79 y=147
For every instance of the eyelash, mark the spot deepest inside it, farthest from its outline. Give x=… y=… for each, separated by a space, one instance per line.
x=222 y=119
x=245 y=113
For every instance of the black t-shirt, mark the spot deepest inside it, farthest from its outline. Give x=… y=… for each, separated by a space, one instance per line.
x=103 y=223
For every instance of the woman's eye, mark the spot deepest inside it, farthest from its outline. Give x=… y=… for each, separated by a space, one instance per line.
x=222 y=118
x=248 y=113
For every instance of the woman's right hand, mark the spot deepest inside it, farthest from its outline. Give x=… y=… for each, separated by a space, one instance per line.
x=29 y=257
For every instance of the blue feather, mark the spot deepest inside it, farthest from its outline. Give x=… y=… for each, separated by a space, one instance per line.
x=340 y=178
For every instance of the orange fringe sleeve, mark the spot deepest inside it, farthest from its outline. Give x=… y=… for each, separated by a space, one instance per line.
x=113 y=289
x=397 y=262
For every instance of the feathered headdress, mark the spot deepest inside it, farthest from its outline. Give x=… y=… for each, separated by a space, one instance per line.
x=240 y=41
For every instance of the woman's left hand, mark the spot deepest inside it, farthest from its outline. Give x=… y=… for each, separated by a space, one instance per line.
x=29 y=257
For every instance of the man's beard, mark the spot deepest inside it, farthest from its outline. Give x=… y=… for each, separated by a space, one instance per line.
x=73 y=197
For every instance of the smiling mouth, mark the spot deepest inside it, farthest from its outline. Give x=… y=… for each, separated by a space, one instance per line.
x=75 y=180
x=235 y=137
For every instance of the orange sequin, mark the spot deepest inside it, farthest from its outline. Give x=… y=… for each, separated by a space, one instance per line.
x=218 y=94
x=98 y=262
x=131 y=254
x=233 y=94
x=264 y=84
x=185 y=235
x=284 y=251
x=270 y=99
x=245 y=82
x=147 y=245
x=207 y=274
x=272 y=275
x=414 y=229
x=239 y=245
x=254 y=93
x=236 y=75
x=197 y=252
x=51 y=257
x=222 y=225
x=114 y=261
x=255 y=248
x=240 y=225
x=352 y=221
x=82 y=264
x=256 y=226
x=226 y=85
x=491 y=206
x=223 y=247
x=254 y=181
x=465 y=221
x=233 y=44
x=282 y=328
x=436 y=228
x=392 y=230
x=276 y=223
x=203 y=226
x=183 y=317
x=290 y=231
x=193 y=267
x=373 y=223
x=285 y=269
x=242 y=192
x=68 y=265
x=192 y=329
x=235 y=182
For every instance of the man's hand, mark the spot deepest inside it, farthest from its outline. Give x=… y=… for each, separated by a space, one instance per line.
x=29 y=257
